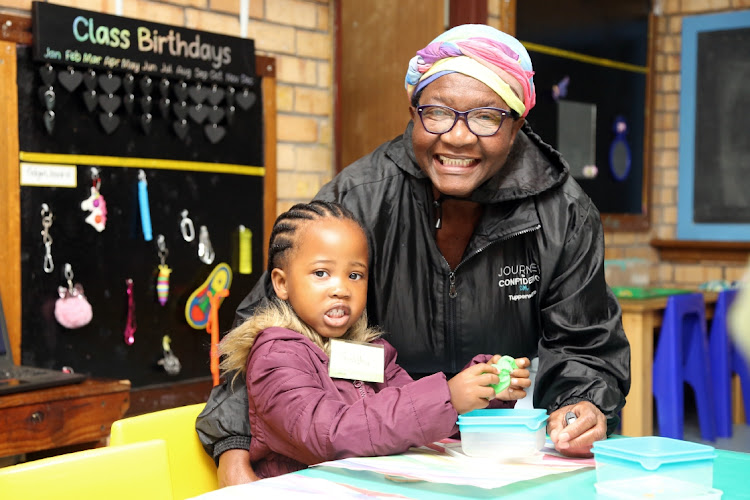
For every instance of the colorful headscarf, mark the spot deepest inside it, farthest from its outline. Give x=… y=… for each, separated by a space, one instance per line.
x=494 y=58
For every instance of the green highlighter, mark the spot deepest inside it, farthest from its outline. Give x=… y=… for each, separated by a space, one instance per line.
x=506 y=365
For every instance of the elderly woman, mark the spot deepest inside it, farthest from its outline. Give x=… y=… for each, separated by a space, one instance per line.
x=480 y=241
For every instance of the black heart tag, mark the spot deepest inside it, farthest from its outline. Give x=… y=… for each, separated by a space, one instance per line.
x=146 y=84
x=146 y=120
x=230 y=95
x=180 y=128
x=146 y=103
x=109 y=122
x=89 y=79
x=47 y=96
x=198 y=113
x=216 y=95
x=245 y=99
x=128 y=83
x=47 y=72
x=214 y=132
x=109 y=83
x=181 y=91
x=216 y=114
x=128 y=101
x=70 y=79
x=49 y=120
x=180 y=110
x=164 y=103
x=110 y=102
x=164 y=87
x=89 y=98
x=230 y=114
x=198 y=93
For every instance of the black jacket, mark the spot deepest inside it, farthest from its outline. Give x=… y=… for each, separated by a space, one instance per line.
x=531 y=282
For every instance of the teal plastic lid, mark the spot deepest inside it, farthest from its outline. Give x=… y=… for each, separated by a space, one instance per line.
x=532 y=419
x=653 y=451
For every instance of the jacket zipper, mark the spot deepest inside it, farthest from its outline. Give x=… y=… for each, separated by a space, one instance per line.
x=450 y=316
x=358 y=384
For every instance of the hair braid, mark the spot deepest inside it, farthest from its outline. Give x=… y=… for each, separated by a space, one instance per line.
x=286 y=226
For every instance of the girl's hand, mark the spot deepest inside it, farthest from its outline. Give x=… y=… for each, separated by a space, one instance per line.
x=470 y=388
x=519 y=380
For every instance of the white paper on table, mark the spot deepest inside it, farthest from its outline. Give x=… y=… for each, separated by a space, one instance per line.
x=301 y=487
x=437 y=465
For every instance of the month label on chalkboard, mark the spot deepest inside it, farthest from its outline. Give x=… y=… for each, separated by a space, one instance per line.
x=65 y=35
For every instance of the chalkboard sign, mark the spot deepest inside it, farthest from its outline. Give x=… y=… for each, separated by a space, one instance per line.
x=219 y=183
x=714 y=199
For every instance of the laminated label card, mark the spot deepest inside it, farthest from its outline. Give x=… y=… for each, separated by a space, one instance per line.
x=356 y=361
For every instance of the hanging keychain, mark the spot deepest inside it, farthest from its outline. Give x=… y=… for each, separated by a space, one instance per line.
x=130 y=325
x=162 y=280
x=245 y=250
x=186 y=227
x=170 y=361
x=95 y=203
x=215 y=299
x=72 y=310
x=145 y=208
x=205 y=249
x=48 y=264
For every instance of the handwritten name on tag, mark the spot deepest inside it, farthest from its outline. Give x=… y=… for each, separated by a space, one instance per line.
x=356 y=361
x=37 y=174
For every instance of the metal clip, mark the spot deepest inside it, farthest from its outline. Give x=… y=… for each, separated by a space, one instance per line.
x=96 y=181
x=186 y=227
x=71 y=291
x=48 y=264
x=205 y=250
x=162 y=246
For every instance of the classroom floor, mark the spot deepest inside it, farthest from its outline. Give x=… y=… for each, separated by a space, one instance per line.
x=740 y=440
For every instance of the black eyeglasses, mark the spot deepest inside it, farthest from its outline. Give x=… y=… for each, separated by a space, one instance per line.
x=482 y=122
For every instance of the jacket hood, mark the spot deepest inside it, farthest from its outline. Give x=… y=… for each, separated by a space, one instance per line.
x=532 y=167
x=279 y=333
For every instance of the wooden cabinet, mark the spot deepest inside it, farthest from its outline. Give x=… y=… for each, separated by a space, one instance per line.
x=77 y=414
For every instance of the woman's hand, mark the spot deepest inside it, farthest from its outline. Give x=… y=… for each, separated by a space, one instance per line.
x=576 y=439
x=519 y=380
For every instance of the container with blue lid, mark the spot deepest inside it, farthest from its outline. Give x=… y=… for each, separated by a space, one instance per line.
x=503 y=434
x=654 y=456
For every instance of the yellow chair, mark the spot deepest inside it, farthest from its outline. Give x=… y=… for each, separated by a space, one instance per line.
x=193 y=472
x=136 y=471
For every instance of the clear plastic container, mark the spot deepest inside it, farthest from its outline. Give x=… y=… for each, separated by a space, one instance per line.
x=655 y=488
x=503 y=434
x=644 y=458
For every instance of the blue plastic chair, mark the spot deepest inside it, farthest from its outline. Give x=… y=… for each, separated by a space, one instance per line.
x=725 y=361
x=682 y=355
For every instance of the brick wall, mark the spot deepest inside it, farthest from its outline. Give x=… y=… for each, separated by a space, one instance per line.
x=299 y=35
x=665 y=158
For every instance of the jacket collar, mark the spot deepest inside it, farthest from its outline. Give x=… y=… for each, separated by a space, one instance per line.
x=532 y=167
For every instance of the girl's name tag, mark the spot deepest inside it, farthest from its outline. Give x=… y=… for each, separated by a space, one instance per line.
x=356 y=361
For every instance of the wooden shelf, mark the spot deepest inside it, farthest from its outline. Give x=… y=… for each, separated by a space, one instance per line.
x=696 y=251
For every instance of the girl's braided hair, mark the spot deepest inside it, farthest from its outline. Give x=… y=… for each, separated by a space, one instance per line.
x=286 y=225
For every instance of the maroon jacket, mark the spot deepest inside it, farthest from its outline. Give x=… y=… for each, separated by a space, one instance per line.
x=301 y=416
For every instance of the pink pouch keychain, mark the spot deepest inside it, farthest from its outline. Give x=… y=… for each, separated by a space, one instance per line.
x=72 y=309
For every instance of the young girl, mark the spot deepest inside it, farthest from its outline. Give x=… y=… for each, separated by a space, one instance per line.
x=301 y=415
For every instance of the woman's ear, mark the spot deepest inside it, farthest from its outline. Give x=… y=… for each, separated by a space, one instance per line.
x=278 y=280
